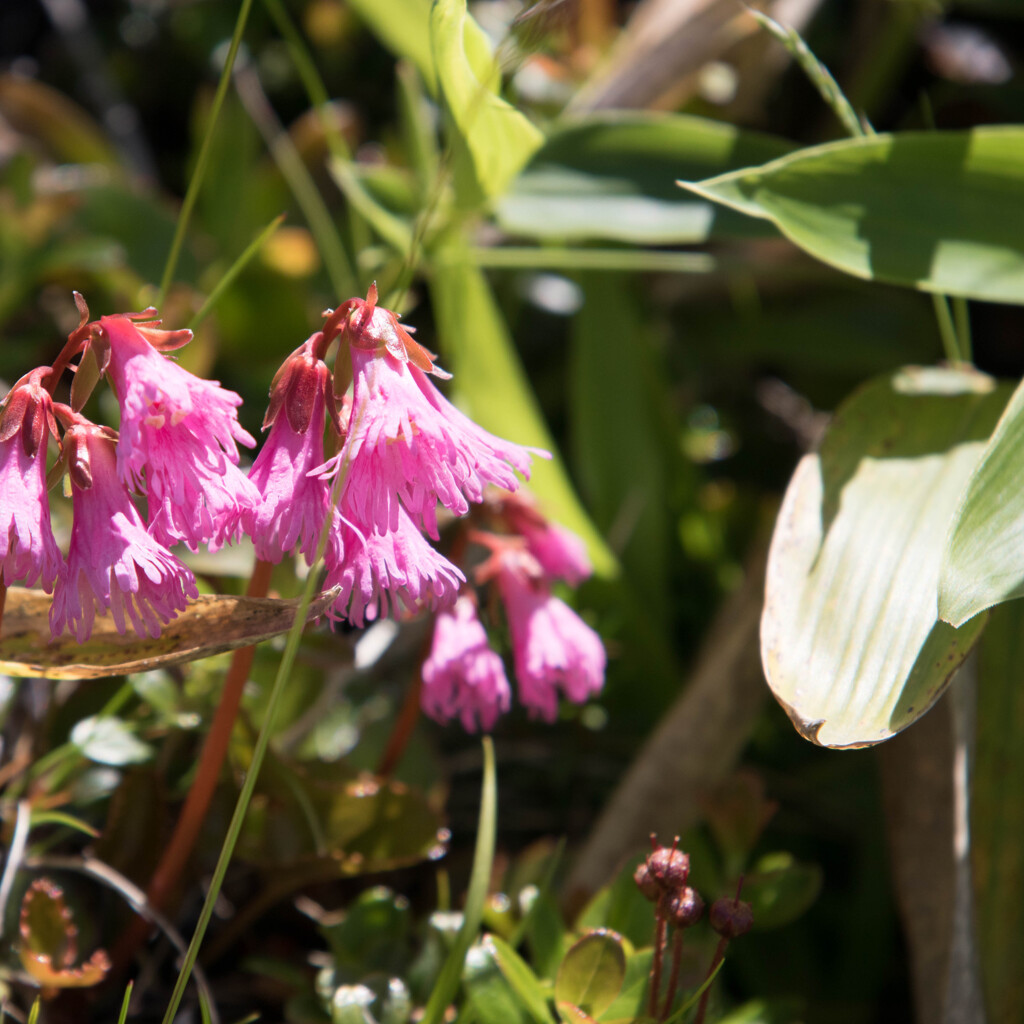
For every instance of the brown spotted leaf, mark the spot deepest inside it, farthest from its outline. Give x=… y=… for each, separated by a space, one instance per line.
x=210 y=625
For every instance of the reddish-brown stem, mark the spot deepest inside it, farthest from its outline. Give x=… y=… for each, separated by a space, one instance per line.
x=673 y=978
x=406 y=721
x=719 y=956
x=3 y=603
x=660 y=928
x=197 y=802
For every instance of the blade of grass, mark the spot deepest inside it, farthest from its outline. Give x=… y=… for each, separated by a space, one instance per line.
x=388 y=226
x=236 y=268
x=196 y=180
x=819 y=75
x=336 y=260
x=483 y=859
x=123 y=1015
x=33 y=1014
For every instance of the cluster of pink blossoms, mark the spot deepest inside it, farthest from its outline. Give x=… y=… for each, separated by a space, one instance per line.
x=398 y=450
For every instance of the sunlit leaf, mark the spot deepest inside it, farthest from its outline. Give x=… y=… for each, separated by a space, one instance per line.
x=611 y=176
x=210 y=625
x=592 y=972
x=984 y=561
x=108 y=740
x=498 y=138
x=493 y=389
x=493 y=999
x=938 y=210
x=850 y=638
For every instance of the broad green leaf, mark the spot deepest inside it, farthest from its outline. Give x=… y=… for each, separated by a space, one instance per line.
x=493 y=390
x=210 y=625
x=108 y=740
x=611 y=176
x=631 y=1002
x=850 y=638
x=780 y=889
x=997 y=813
x=984 y=560
x=592 y=972
x=939 y=211
x=498 y=138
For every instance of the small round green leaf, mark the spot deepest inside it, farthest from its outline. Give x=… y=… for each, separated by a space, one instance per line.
x=592 y=972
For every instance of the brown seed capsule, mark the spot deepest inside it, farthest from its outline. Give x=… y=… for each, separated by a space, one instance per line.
x=731 y=918
x=646 y=882
x=669 y=867
x=685 y=908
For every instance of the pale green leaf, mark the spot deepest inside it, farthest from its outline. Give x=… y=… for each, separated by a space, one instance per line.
x=984 y=561
x=498 y=138
x=611 y=177
x=850 y=638
x=109 y=740
x=492 y=388
x=592 y=972
x=940 y=211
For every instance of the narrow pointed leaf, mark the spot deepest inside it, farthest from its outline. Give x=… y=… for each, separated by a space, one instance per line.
x=984 y=562
x=210 y=625
x=850 y=639
x=939 y=211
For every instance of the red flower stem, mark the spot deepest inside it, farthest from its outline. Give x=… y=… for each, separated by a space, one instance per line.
x=673 y=978
x=715 y=961
x=660 y=929
x=197 y=802
x=405 y=723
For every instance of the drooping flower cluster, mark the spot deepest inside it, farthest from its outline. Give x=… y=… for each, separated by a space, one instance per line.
x=176 y=447
x=554 y=652
x=354 y=469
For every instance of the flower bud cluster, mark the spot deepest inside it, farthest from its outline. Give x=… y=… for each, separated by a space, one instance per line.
x=356 y=461
x=662 y=878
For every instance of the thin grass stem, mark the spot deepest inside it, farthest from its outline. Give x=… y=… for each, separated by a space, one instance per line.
x=195 y=182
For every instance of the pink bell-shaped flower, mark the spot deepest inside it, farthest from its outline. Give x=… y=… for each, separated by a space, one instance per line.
x=462 y=675
x=379 y=570
x=405 y=443
x=561 y=554
x=26 y=423
x=114 y=564
x=295 y=504
x=177 y=435
x=553 y=649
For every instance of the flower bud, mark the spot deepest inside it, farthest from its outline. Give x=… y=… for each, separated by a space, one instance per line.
x=685 y=908
x=646 y=882
x=731 y=918
x=669 y=867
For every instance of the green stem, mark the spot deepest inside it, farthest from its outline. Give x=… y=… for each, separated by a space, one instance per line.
x=237 y=267
x=947 y=329
x=593 y=259
x=962 y=315
x=204 y=155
